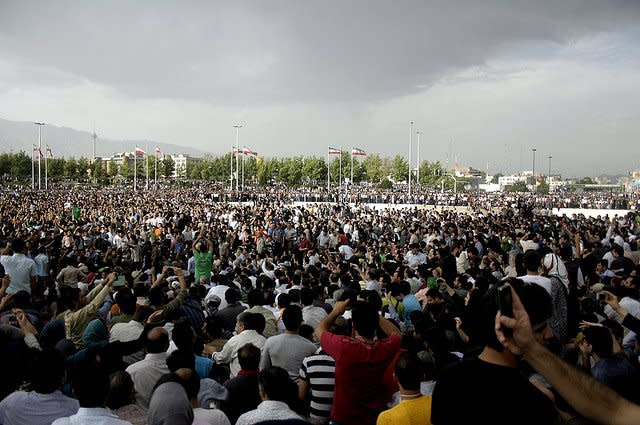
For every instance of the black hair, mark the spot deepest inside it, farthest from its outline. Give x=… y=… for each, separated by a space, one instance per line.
x=532 y=260
x=120 y=390
x=126 y=300
x=232 y=296
x=600 y=339
x=276 y=384
x=47 y=370
x=409 y=371
x=365 y=318
x=307 y=296
x=249 y=357
x=292 y=317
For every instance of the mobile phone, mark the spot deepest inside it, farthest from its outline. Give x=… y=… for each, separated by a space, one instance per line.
x=505 y=300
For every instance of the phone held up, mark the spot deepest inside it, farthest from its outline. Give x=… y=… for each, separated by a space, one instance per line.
x=505 y=300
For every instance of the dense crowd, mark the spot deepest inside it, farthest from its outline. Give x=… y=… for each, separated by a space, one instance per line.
x=178 y=306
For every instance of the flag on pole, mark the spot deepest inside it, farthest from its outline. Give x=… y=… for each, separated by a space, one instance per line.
x=334 y=151
x=158 y=150
x=248 y=152
x=37 y=149
x=49 y=153
x=140 y=152
x=358 y=152
x=236 y=151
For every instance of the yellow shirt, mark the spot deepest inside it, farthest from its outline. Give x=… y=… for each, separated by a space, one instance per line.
x=408 y=412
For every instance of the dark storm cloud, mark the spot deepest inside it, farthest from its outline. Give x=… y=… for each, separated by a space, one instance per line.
x=265 y=52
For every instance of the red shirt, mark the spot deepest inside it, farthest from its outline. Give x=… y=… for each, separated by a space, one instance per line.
x=360 y=390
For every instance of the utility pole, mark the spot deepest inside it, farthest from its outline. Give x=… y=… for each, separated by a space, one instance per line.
x=237 y=127
x=410 y=148
x=40 y=125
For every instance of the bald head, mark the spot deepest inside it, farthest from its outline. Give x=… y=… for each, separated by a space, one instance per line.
x=157 y=340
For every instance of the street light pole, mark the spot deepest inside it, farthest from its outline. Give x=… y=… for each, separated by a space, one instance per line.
x=419 y=133
x=533 y=168
x=410 y=148
x=39 y=124
x=549 y=173
x=237 y=127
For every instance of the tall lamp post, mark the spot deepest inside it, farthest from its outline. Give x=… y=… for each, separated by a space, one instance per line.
x=549 y=172
x=533 y=168
x=40 y=125
x=410 y=148
x=419 y=133
x=237 y=127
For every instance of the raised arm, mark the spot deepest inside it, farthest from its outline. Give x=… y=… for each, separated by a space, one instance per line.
x=584 y=393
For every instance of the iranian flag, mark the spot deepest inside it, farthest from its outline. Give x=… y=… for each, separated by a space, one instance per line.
x=358 y=152
x=140 y=152
x=248 y=152
x=334 y=151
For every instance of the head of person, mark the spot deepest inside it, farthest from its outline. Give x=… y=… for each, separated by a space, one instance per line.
x=249 y=357
x=170 y=404
x=19 y=246
x=434 y=297
x=408 y=372
x=599 y=341
x=364 y=319
x=91 y=383
x=126 y=300
x=121 y=390
x=183 y=335
x=307 y=296
x=532 y=261
x=47 y=370
x=157 y=340
x=232 y=296
x=275 y=384
x=292 y=318
x=250 y=322
x=536 y=301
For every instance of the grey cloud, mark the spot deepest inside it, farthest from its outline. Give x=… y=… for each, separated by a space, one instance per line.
x=269 y=52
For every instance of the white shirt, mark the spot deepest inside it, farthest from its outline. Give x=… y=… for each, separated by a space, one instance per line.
x=210 y=416
x=268 y=410
x=91 y=416
x=545 y=282
x=346 y=251
x=42 y=263
x=20 y=268
x=229 y=353
x=312 y=315
x=145 y=374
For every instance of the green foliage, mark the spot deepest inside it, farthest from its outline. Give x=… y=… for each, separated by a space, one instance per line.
x=496 y=177
x=385 y=184
x=400 y=168
x=519 y=186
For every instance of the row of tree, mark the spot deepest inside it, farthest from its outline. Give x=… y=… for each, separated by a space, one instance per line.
x=293 y=171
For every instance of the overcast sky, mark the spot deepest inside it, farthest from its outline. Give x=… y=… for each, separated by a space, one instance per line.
x=485 y=81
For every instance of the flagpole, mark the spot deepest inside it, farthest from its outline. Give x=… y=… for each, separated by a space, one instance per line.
x=146 y=163
x=340 y=174
x=351 y=182
x=33 y=168
x=243 y=158
x=231 y=173
x=155 y=175
x=328 y=173
x=46 y=172
x=135 y=170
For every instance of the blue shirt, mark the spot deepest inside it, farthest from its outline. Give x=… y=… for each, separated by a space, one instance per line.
x=22 y=407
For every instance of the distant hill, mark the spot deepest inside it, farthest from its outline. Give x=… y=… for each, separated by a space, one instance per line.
x=19 y=136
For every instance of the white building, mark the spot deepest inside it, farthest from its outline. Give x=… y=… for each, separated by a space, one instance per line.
x=182 y=163
x=504 y=181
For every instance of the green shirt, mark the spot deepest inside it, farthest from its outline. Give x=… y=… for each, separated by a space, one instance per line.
x=203 y=264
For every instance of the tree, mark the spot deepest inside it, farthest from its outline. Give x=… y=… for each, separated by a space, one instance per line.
x=400 y=168
x=385 y=184
x=586 y=180
x=373 y=169
x=496 y=178
x=20 y=165
x=519 y=186
x=71 y=169
x=314 y=170
x=168 y=166
x=543 y=188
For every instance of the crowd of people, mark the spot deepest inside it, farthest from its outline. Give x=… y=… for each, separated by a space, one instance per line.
x=181 y=307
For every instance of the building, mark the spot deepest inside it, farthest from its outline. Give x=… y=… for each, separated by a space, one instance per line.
x=182 y=163
x=505 y=181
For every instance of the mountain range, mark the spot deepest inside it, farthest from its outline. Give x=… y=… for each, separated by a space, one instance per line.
x=18 y=136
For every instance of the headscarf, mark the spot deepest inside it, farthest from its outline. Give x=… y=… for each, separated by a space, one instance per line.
x=95 y=335
x=169 y=405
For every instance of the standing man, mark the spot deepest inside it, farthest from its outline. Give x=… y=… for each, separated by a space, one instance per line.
x=361 y=392
x=203 y=255
x=19 y=267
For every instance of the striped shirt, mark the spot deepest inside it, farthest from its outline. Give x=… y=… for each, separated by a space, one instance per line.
x=319 y=369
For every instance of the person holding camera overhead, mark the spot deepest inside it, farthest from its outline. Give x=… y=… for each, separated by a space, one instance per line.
x=492 y=388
